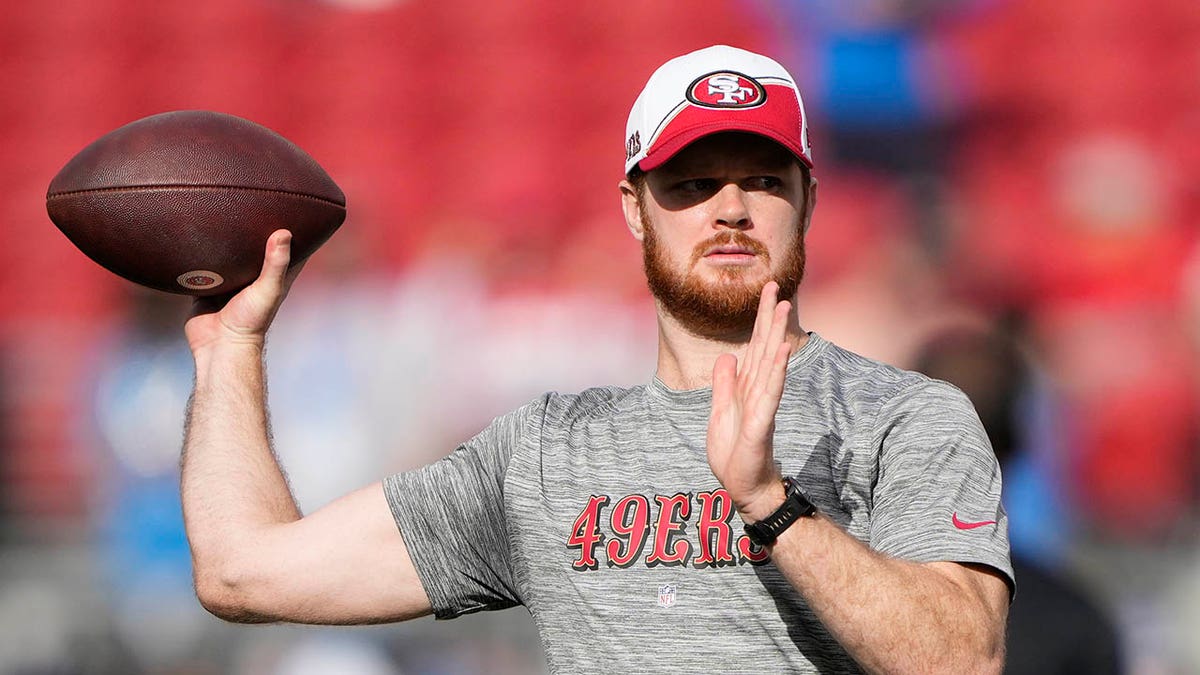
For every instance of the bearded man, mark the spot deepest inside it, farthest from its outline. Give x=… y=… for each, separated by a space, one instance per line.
x=767 y=502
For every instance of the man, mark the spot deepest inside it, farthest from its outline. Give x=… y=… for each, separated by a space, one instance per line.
x=875 y=535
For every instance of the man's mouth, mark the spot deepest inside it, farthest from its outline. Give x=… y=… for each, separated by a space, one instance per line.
x=733 y=249
x=730 y=254
x=728 y=250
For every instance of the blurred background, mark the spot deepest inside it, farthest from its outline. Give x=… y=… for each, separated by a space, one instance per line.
x=1008 y=200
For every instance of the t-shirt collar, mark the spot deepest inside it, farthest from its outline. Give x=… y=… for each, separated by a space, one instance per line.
x=701 y=399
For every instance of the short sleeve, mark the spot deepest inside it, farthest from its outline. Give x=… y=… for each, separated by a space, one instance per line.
x=452 y=517
x=937 y=497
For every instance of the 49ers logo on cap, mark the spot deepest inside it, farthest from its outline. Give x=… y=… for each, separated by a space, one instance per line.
x=726 y=89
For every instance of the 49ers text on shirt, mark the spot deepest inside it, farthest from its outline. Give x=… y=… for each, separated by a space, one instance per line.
x=676 y=530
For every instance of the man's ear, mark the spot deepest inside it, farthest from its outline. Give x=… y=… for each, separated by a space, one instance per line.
x=629 y=206
x=810 y=203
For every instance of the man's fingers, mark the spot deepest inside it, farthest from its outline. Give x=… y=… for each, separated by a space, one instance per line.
x=275 y=262
x=778 y=374
x=762 y=325
x=773 y=339
x=724 y=377
x=247 y=314
x=272 y=283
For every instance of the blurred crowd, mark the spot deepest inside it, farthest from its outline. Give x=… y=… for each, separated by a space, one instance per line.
x=1006 y=201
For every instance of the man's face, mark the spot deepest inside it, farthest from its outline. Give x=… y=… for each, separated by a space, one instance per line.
x=717 y=222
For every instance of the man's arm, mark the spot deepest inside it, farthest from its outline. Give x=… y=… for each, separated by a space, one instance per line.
x=890 y=615
x=893 y=615
x=255 y=557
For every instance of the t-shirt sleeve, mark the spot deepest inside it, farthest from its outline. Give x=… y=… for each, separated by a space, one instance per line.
x=937 y=497
x=452 y=517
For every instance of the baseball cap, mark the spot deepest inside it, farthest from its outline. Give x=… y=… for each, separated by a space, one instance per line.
x=719 y=88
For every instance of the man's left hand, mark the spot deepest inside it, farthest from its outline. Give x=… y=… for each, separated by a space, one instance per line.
x=744 y=401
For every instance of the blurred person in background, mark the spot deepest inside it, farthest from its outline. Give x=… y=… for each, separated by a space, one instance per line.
x=874 y=533
x=1054 y=628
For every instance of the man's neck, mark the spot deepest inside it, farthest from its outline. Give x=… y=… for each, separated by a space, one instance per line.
x=685 y=360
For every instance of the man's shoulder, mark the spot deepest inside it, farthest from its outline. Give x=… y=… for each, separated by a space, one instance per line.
x=569 y=408
x=852 y=376
x=851 y=371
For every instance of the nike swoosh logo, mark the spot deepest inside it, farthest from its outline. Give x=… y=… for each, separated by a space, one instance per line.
x=969 y=526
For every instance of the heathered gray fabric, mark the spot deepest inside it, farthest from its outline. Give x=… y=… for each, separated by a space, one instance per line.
x=891 y=456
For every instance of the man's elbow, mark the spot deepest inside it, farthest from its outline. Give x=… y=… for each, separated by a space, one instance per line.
x=224 y=594
x=968 y=660
x=990 y=663
x=983 y=616
x=998 y=652
x=987 y=658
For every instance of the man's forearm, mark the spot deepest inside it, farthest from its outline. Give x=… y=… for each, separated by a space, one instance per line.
x=891 y=615
x=231 y=482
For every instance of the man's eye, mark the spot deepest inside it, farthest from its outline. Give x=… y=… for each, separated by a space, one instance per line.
x=697 y=185
x=764 y=183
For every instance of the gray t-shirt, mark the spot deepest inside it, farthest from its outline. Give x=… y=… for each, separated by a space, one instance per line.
x=599 y=513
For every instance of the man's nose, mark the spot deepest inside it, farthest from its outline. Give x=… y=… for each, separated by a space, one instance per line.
x=731 y=208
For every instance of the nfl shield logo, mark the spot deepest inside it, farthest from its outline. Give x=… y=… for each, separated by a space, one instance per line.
x=666 y=595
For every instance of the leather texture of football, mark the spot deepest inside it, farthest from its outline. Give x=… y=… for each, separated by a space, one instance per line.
x=184 y=201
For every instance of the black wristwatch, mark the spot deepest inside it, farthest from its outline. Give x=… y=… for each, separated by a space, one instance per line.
x=794 y=507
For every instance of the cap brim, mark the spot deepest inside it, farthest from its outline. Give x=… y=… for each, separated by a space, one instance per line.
x=665 y=149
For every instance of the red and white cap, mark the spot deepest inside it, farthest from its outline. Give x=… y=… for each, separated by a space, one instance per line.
x=715 y=89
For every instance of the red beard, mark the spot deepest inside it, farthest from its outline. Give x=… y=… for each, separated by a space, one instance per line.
x=723 y=310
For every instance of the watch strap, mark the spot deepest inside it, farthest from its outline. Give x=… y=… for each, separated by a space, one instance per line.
x=795 y=506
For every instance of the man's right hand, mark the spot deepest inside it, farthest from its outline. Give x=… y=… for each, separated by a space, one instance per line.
x=245 y=317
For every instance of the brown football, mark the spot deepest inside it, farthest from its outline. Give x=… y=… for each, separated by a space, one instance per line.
x=184 y=201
